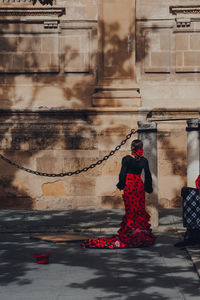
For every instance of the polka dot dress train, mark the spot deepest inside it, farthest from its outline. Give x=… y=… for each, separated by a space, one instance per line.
x=134 y=229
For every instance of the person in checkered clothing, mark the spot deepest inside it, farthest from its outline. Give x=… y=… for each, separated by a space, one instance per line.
x=192 y=234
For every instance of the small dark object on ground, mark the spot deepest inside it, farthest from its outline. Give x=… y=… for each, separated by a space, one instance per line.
x=42 y=258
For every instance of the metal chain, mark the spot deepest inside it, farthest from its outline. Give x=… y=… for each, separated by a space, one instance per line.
x=99 y=162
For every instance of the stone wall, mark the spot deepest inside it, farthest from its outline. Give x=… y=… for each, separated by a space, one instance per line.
x=76 y=77
x=56 y=142
x=168 y=76
x=48 y=55
x=168 y=53
x=53 y=64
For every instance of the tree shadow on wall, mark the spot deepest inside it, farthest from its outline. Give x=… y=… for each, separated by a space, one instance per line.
x=176 y=159
x=32 y=122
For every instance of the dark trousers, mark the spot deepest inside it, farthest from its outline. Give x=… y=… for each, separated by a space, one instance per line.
x=192 y=235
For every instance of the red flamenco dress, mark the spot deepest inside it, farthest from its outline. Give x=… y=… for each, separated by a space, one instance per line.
x=134 y=229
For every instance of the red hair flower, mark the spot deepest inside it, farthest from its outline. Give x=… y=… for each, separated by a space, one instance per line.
x=139 y=152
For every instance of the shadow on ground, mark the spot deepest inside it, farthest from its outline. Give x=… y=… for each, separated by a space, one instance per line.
x=162 y=272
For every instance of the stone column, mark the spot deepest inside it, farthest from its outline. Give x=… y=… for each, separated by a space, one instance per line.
x=193 y=149
x=147 y=132
x=116 y=84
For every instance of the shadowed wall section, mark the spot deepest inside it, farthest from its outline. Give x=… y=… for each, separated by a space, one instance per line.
x=51 y=65
x=75 y=78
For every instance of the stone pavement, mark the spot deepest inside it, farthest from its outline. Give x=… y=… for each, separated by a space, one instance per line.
x=162 y=272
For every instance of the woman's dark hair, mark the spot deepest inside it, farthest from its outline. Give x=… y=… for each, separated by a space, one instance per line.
x=135 y=145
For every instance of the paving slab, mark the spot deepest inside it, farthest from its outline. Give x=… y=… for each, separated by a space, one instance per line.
x=89 y=222
x=194 y=253
x=161 y=272
x=60 y=221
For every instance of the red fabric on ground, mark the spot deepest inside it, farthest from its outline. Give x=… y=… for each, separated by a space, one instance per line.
x=135 y=230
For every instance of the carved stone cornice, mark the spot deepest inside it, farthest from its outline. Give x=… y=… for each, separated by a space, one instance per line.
x=31 y=11
x=185 y=15
x=189 y=9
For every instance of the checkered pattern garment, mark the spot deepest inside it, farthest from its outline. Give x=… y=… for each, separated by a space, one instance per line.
x=135 y=229
x=191 y=208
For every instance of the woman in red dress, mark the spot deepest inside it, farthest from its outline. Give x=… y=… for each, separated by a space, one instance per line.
x=135 y=229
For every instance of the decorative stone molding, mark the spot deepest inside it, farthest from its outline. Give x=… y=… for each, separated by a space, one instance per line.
x=185 y=15
x=51 y=24
x=32 y=2
x=116 y=97
x=183 y=22
x=30 y=11
x=192 y=9
x=193 y=125
x=16 y=1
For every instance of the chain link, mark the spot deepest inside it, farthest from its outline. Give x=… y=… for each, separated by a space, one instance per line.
x=85 y=169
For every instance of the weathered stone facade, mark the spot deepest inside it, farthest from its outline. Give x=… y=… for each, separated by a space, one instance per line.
x=75 y=77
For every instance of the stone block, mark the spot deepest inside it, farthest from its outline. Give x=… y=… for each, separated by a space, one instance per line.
x=86 y=202
x=13 y=193
x=53 y=93
x=55 y=189
x=82 y=186
x=70 y=41
x=154 y=42
x=6 y=61
x=36 y=61
x=106 y=185
x=83 y=143
x=83 y=154
x=179 y=59
x=53 y=202
x=105 y=102
x=43 y=142
x=157 y=51
x=14 y=202
x=160 y=59
x=8 y=44
x=29 y=44
x=164 y=41
x=194 y=42
x=77 y=163
x=112 y=166
x=192 y=58
x=75 y=49
x=22 y=158
x=49 y=164
x=80 y=10
x=182 y=42
x=54 y=62
x=29 y=53
x=17 y=63
x=49 y=44
x=110 y=202
x=77 y=62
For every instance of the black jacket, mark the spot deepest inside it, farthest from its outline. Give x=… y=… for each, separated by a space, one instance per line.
x=133 y=166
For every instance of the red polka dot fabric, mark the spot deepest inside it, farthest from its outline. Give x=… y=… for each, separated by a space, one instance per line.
x=134 y=229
